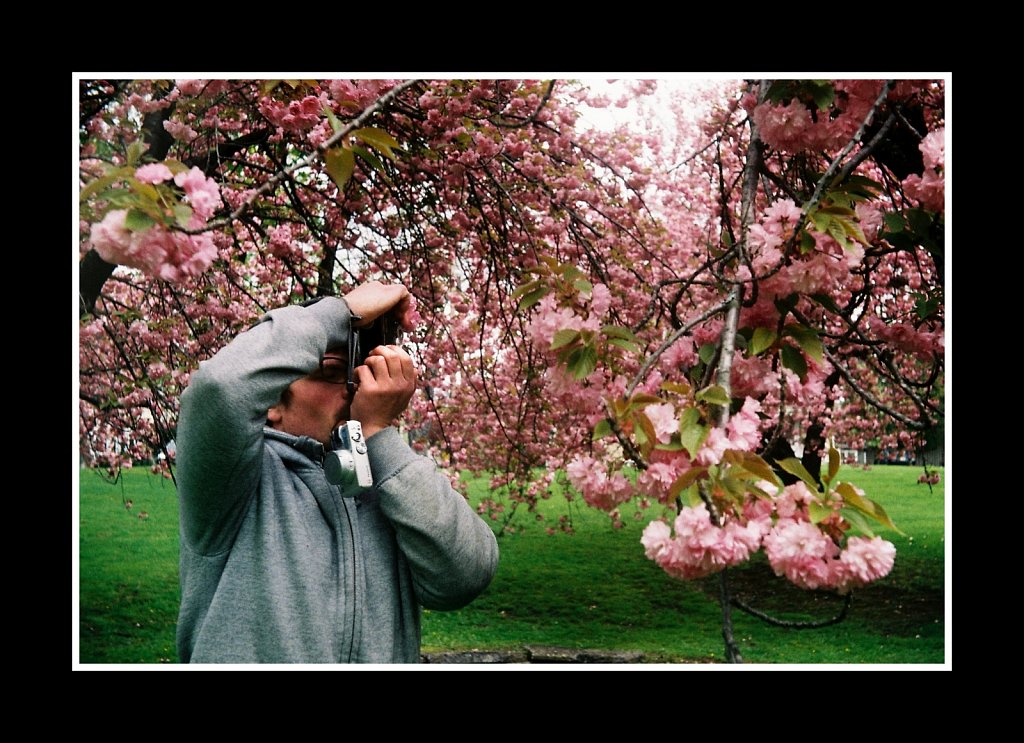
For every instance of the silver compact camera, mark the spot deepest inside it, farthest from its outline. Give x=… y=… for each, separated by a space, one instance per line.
x=348 y=464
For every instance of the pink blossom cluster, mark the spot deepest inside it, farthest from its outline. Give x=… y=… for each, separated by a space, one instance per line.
x=811 y=559
x=791 y=128
x=742 y=432
x=180 y=130
x=662 y=471
x=795 y=547
x=295 y=115
x=930 y=187
x=917 y=341
x=159 y=251
x=700 y=548
x=550 y=317
x=590 y=477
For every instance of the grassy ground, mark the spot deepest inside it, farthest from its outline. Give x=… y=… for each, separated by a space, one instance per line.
x=591 y=590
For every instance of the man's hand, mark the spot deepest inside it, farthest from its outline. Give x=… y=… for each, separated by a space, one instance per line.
x=386 y=384
x=373 y=299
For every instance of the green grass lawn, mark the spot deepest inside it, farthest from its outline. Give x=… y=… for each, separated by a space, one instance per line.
x=592 y=590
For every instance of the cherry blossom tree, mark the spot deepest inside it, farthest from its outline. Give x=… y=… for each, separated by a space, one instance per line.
x=650 y=313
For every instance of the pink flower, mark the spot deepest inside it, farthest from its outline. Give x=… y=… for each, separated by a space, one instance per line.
x=929 y=190
x=792 y=502
x=781 y=215
x=657 y=480
x=783 y=127
x=203 y=193
x=798 y=550
x=190 y=87
x=153 y=173
x=764 y=240
x=110 y=238
x=600 y=300
x=655 y=539
x=663 y=418
x=699 y=547
x=745 y=427
x=715 y=445
x=180 y=131
x=870 y=218
x=866 y=560
x=933 y=149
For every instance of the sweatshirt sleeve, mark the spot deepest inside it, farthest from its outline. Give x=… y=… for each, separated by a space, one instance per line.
x=224 y=410
x=452 y=553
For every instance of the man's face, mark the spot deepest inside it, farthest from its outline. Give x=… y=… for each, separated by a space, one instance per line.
x=317 y=403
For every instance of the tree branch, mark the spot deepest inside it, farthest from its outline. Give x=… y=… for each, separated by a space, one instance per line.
x=871 y=399
x=792 y=624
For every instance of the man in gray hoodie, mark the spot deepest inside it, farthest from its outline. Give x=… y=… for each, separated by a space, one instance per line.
x=277 y=564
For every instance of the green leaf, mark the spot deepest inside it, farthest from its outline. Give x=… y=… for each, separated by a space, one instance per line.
x=762 y=340
x=379 y=140
x=96 y=186
x=336 y=124
x=920 y=220
x=685 y=480
x=715 y=395
x=526 y=288
x=340 y=165
x=145 y=190
x=134 y=153
x=137 y=220
x=823 y=94
x=680 y=388
x=893 y=221
x=833 y=463
x=176 y=166
x=808 y=340
x=643 y=425
x=615 y=331
x=372 y=160
x=857 y=520
x=818 y=512
x=758 y=493
x=564 y=337
x=925 y=306
x=794 y=360
x=533 y=297
x=835 y=229
x=674 y=444
x=643 y=399
x=837 y=210
x=754 y=464
x=182 y=215
x=735 y=488
x=626 y=345
x=707 y=352
x=807 y=242
x=794 y=466
x=821 y=220
x=602 y=429
x=583 y=285
x=688 y=417
x=582 y=362
x=268 y=86
x=865 y=505
x=863 y=184
x=692 y=437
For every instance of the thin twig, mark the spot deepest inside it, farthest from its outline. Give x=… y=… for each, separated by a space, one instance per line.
x=309 y=159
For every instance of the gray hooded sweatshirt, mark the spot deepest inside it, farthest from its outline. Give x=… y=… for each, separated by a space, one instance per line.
x=277 y=564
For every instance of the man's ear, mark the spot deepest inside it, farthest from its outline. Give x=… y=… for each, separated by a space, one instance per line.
x=275 y=415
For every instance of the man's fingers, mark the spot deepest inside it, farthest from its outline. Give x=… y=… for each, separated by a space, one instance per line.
x=399 y=363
